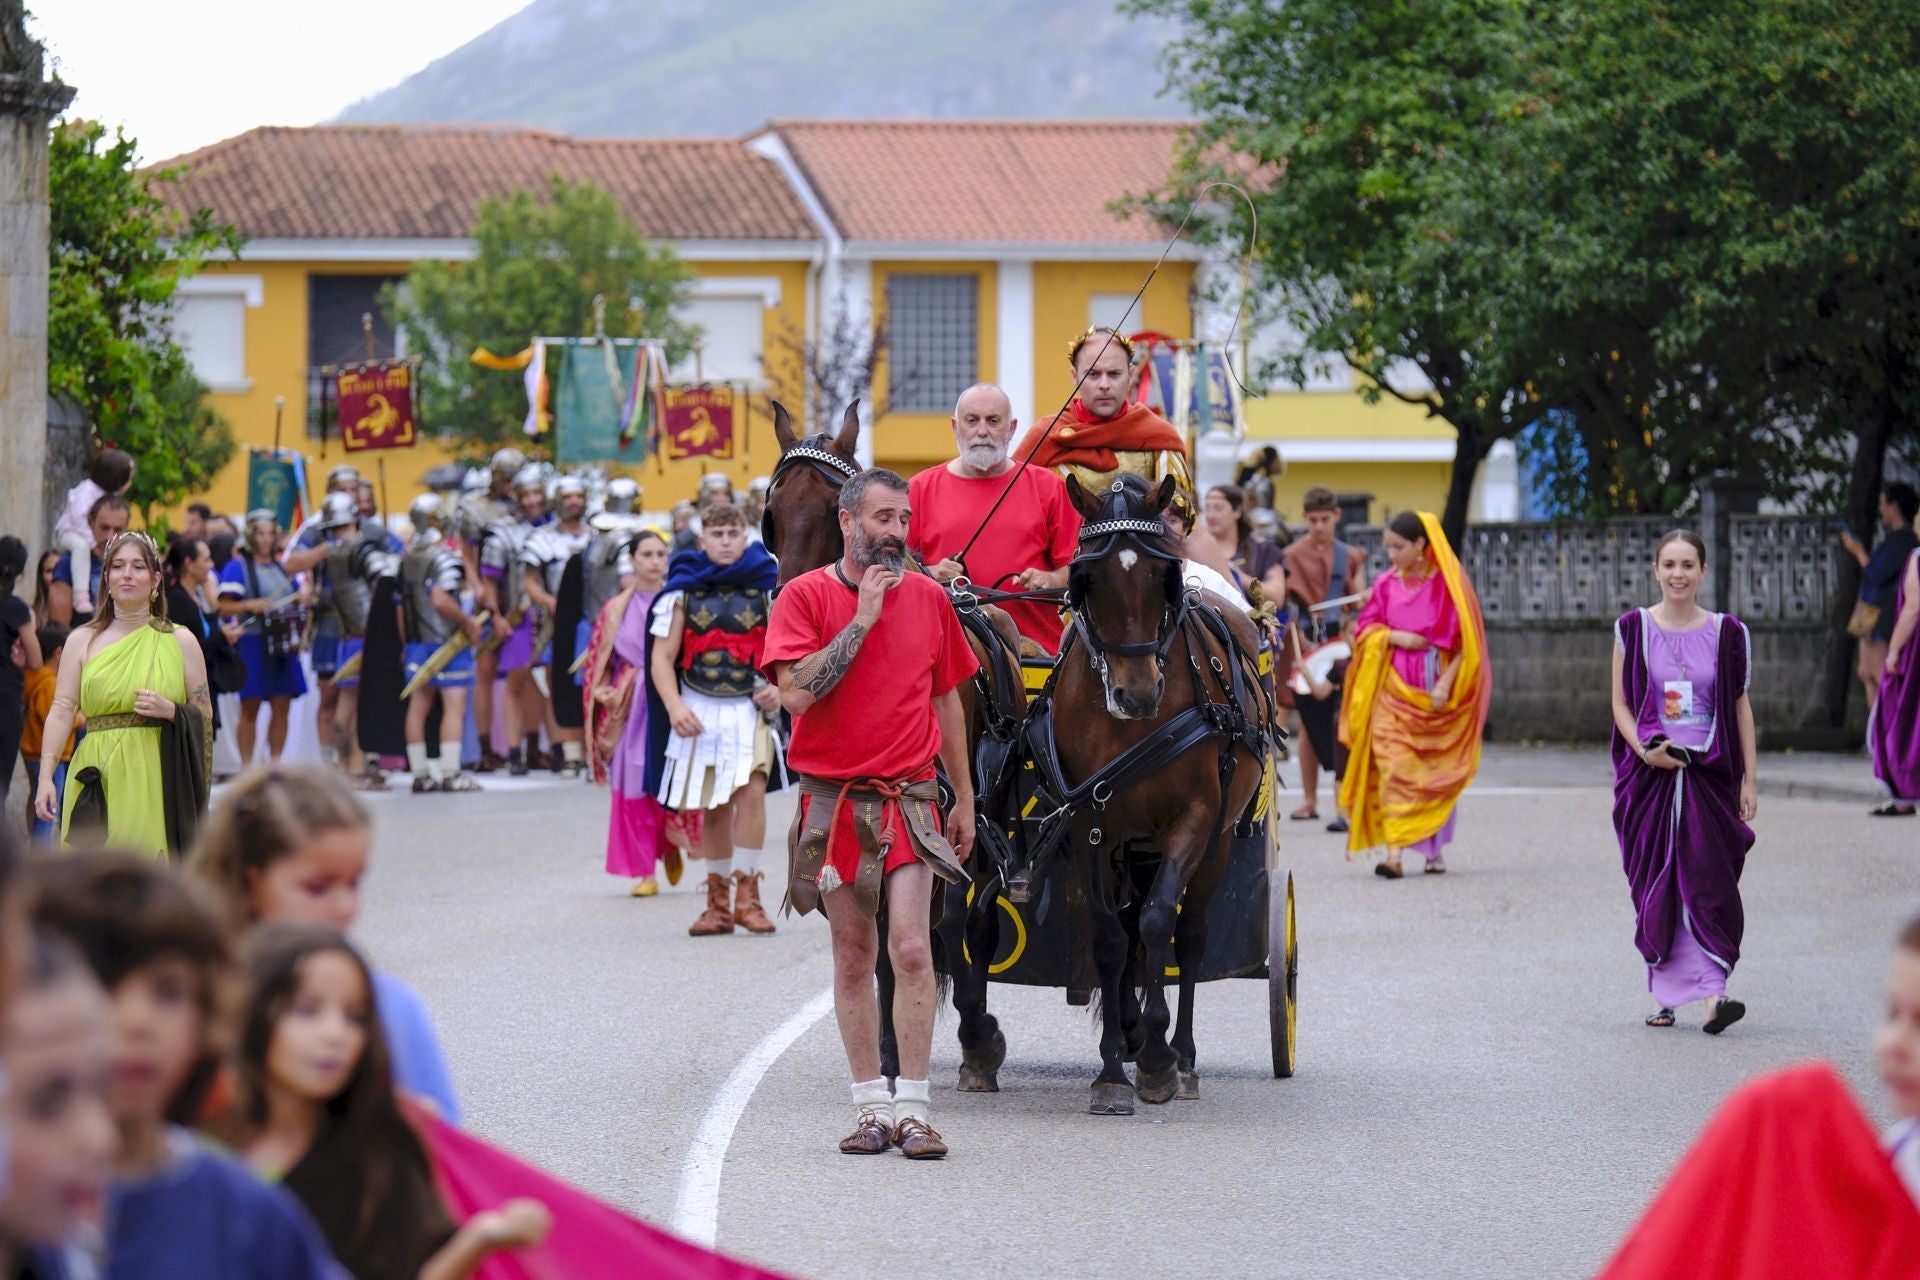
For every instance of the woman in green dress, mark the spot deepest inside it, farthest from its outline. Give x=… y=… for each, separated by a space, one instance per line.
x=129 y=672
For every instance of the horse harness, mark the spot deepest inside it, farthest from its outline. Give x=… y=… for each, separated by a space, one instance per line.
x=836 y=470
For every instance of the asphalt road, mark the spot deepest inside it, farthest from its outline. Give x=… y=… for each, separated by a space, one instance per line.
x=1477 y=1095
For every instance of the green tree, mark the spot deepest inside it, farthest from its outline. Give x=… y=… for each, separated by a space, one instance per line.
x=1350 y=122
x=542 y=260
x=118 y=255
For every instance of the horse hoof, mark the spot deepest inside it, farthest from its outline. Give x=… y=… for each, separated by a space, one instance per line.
x=976 y=1080
x=1111 y=1100
x=1158 y=1086
x=1189 y=1087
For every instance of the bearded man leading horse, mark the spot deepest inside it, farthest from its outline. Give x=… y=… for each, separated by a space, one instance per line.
x=802 y=528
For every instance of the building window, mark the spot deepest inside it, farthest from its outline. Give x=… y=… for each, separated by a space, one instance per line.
x=731 y=329
x=933 y=336
x=1109 y=311
x=212 y=329
x=335 y=335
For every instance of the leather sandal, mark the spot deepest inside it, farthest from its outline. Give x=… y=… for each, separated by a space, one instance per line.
x=917 y=1140
x=869 y=1138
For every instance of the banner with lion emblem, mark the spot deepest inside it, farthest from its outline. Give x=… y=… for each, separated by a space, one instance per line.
x=375 y=405
x=698 y=422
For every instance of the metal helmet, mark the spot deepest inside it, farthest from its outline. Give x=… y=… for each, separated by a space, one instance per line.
x=345 y=471
x=338 y=509
x=569 y=485
x=716 y=480
x=508 y=461
x=424 y=512
x=623 y=495
x=528 y=477
x=760 y=485
x=260 y=516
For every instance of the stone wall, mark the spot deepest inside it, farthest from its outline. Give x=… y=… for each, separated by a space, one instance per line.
x=27 y=103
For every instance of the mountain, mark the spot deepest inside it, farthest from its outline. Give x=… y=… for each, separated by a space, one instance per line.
x=666 y=68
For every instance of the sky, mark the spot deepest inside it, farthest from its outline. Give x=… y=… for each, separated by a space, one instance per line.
x=183 y=74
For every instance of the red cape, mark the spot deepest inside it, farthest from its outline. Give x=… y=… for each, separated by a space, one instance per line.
x=589 y=1237
x=1085 y=441
x=1786 y=1181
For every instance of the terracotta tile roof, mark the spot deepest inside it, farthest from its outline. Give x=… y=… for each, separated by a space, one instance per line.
x=407 y=181
x=983 y=181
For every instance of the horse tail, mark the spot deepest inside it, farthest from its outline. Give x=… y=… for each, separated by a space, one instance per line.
x=942 y=971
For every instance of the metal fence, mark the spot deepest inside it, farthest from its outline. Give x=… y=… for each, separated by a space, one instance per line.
x=1764 y=568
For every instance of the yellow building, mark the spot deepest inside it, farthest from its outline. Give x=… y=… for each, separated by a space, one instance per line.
x=980 y=248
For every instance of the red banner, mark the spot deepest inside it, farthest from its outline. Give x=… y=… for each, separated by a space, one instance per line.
x=698 y=422
x=376 y=405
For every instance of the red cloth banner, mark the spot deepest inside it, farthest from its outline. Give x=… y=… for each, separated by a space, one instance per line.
x=376 y=405
x=699 y=422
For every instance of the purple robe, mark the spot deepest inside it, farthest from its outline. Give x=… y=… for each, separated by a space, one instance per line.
x=1682 y=843
x=1893 y=731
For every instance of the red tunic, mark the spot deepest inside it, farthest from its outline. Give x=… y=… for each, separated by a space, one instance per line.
x=1035 y=528
x=879 y=721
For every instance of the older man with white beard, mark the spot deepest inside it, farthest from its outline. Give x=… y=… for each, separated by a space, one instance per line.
x=1030 y=540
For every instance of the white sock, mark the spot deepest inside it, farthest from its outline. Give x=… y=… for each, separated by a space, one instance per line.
x=417 y=761
x=746 y=862
x=450 y=757
x=722 y=867
x=911 y=1098
x=572 y=752
x=872 y=1095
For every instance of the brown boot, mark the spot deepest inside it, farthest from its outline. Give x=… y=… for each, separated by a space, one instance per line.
x=747 y=912
x=716 y=918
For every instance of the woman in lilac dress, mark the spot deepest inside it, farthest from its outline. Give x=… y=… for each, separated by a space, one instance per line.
x=1683 y=790
x=1893 y=728
x=617 y=716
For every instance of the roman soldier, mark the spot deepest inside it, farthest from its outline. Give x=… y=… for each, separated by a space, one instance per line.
x=516 y=620
x=357 y=558
x=709 y=625
x=435 y=602
x=478 y=512
x=543 y=563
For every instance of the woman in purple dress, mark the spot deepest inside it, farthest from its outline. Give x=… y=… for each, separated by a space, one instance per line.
x=1893 y=728
x=1683 y=784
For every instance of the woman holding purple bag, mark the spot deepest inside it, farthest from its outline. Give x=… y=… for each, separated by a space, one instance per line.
x=1683 y=784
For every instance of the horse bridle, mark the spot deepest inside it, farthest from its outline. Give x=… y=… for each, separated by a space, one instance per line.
x=836 y=469
x=1148 y=536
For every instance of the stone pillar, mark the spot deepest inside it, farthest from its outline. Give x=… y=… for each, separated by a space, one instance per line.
x=28 y=101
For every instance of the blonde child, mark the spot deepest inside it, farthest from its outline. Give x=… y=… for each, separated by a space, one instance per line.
x=111 y=471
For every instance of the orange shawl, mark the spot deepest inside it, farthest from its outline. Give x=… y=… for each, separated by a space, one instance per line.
x=1082 y=440
x=1408 y=760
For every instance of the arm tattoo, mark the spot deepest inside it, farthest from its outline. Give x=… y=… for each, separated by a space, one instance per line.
x=201 y=698
x=819 y=672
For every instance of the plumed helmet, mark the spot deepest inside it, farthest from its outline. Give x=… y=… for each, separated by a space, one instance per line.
x=424 y=512
x=623 y=495
x=528 y=478
x=569 y=485
x=508 y=461
x=338 y=509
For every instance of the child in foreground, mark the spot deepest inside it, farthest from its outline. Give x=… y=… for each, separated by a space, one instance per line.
x=292 y=844
x=57 y=1052
x=176 y=1207
x=319 y=1113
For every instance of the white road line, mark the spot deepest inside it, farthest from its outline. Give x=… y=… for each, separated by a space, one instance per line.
x=696 y=1210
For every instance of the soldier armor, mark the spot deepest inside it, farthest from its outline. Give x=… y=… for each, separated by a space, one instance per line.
x=602 y=569
x=721 y=667
x=423 y=566
x=351 y=568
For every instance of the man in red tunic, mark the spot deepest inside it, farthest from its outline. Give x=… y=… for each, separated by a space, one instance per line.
x=1101 y=434
x=1030 y=540
x=867 y=658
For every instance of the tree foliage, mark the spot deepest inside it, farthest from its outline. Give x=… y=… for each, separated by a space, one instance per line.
x=1665 y=239
x=118 y=255
x=542 y=260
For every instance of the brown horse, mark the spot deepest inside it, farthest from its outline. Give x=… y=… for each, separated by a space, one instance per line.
x=801 y=528
x=1154 y=771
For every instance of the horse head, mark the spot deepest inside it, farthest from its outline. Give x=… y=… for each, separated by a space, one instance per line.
x=801 y=526
x=1127 y=590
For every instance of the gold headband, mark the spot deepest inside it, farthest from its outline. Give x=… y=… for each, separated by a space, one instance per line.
x=1092 y=332
x=113 y=543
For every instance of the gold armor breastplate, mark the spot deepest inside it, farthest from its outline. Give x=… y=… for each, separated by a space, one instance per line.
x=1153 y=466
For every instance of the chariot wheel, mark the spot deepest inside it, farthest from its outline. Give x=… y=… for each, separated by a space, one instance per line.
x=1283 y=969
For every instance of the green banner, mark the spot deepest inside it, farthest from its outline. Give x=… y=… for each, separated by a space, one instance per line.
x=589 y=385
x=273 y=484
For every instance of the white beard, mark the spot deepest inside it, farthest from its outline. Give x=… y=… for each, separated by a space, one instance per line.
x=983 y=457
